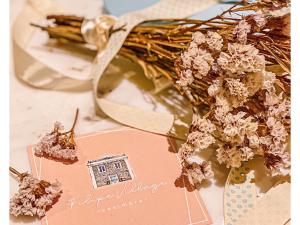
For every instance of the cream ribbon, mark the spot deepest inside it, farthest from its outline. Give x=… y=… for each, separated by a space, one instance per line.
x=134 y=117
x=30 y=69
x=95 y=32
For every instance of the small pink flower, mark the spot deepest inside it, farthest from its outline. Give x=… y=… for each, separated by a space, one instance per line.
x=197 y=172
x=198 y=38
x=241 y=31
x=186 y=78
x=241 y=59
x=214 y=41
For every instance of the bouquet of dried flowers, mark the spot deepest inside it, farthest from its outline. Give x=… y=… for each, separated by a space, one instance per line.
x=34 y=197
x=234 y=70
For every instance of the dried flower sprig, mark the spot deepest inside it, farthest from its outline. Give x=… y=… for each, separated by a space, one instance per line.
x=235 y=71
x=58 y=145
x=34 y=196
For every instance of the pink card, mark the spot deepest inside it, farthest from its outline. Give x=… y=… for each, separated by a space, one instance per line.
x=123 y=176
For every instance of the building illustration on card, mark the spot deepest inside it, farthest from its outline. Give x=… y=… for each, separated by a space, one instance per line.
x=110 y=170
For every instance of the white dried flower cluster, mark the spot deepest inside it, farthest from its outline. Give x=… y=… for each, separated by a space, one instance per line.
x=269 y=79
x=197 y=172
x=198 y=38
x=222 y=107
x=275 y=143
x=214 y=41
x=236 y=129
x=241 y=31
x=201 y=135
x=34 y=197
x=238 y=90
x=202 y=63
x=214 y=88
x=241 y=59
x=246 y=114
x=185 y=151
x=186 y=78
x=202 y=124
x=197 y=60
x=234 y=156
x=200 y=138
x=56 y=145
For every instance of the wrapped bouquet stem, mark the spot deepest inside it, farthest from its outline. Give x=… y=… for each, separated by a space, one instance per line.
x=235 y=71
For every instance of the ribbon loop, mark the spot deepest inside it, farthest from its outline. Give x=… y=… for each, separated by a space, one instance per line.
x=96 y=31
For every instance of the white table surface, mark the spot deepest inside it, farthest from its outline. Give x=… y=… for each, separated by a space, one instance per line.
x=34 y=110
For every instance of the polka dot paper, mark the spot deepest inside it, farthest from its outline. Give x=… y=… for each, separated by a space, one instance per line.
x=239 y=194
x=271 y=209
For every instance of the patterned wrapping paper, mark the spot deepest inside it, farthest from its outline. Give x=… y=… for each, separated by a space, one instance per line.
x=239 y=194
x=242 y=204
x=273 y=208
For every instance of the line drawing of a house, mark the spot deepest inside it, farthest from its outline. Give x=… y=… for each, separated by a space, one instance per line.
x=110 y=170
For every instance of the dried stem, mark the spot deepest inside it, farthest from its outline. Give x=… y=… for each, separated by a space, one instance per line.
x=121 y=28
x=74 y=123
x=16 y=172
x=75 y=119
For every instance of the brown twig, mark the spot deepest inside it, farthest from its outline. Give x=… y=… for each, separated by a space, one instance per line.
x=75 y=119
x=73 y=125
x=16 y=172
